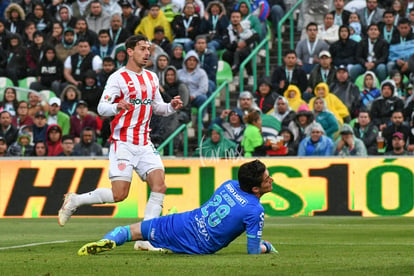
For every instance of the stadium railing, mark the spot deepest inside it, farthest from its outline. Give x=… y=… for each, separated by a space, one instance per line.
x=253 y=57
x=212 y=100
x=170 y=141
x=289 y=15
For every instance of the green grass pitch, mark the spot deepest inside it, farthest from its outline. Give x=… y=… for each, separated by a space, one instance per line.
x=306 y=245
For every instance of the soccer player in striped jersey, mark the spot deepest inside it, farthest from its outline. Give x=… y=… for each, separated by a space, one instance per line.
x=233 y=209
x=131 y=95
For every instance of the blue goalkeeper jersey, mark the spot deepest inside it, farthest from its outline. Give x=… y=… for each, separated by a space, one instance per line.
x=228 y=213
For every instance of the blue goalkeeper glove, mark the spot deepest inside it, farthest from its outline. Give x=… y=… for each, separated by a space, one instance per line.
x=269 y=247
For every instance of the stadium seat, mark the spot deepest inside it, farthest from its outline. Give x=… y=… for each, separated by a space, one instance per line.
x=224 y=72
x=47 y=95
x=4 y=83
x=25 y=83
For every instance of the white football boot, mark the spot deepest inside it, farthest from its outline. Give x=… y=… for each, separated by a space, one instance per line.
x=67 y=209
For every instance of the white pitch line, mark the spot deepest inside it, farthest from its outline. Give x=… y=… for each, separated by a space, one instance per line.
x=33 y=244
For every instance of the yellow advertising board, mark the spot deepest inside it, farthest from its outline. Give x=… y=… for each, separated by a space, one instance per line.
x=302 y=187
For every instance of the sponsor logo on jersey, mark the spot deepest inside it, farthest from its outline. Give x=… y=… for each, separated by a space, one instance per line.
x=121 y=166
x=107 y=98
x=240 y=199
x=141 y=101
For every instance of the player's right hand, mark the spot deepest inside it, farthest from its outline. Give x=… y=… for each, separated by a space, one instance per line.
x=122 y=104
x=269 y=247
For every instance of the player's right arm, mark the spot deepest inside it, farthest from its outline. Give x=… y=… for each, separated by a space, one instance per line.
x=112 y=101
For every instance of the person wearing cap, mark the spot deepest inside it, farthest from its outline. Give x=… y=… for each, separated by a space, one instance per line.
x=346 y=91
x=7 y=130
x=39 y=127
x=343 y=51
x=67 y=46
x=398 y=145
x=55 y=116
x=129 y=19
x=324 y=71
x=398 y=124
x=160 y=40
x=3 y=147
x=22 y=146
x=328 y=31
x=117 y=32
x=383 y=106
x=80 y=120
x=308 y=49
x=349 y=145
x=154 y=18
x=316 y=144
x=372 y=54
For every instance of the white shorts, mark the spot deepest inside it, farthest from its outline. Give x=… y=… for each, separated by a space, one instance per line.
x=125 y=157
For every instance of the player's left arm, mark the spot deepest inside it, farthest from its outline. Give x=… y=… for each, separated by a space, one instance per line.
x=254 y=229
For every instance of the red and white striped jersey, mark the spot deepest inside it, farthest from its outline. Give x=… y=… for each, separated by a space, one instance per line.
x=142 y=91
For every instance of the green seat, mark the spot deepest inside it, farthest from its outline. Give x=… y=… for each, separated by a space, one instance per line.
x=4 y=83
x=224 y=72
x=220 y=53
x=47 y=95
x=25 y=83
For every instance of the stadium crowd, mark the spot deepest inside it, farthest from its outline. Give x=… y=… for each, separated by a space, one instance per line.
x=346 y=88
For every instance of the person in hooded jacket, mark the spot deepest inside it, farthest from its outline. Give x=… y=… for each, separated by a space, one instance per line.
x=316 y=144
x=349 y=145
x=369 y=91
x=231 y=121
x=65 y=16
x=15 y=18
x=343 y=51
x=90 y=91
x=288 y=142
x=22 y=146
x=87 y=145
x=294 y=97
x=68 y=45
x=214 y=23
x=70 y=97
x=302 y=124
x=216 y=145
x=15 y=66
x=283 y=112
x=54 y=140
x=265 y=96
x=325 y=117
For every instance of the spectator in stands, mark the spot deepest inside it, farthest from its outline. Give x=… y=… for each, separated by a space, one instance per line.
x=161 y=40
x=4 y=38
x=208 y=61
x=15 y=16
x=214 y=23
x=316 y=144
x=397 y=125
x=22 y=117
x=15 y=67
x=301 y=125
x=349 y=145
x=40 y=148
x=65 y=16
x=154 y=18
x=265 y=96
x=383 y=106
x=397 y=77
x=81 y=120
x=53 y=140
x=365 y=130
x=370 y=90
x=9 y=102
x=283 y=112
x=278 y=10
x=371 y=14
x=246 y=10
x=398 y=145
x=355 y=30
x=41 y=18
x=246 y=103
x=231 y=121
x=177 y=58
x=409 y=104
x=29 y=30
x=35 y=103
x=343 y=51
x=195 y=78
x=67 y=146
x=324 y=71
x=294 y=97
x=159 y=67
x=399 y=9
x=108 y=67
x=55 y=36
x=84 y=33
x=7 y=130
x=118 y=33
x=308 y=49
x=111 y=7
x=290 y=73
x=90 y=91
x=70 y=97
x=325 y=117
x=49 y=72
x=80 y=8
x=333 y=103
x=22 y=146
x=328 y=31
x=341 y=16
x=121 y=56
x=103 y=48
x=252 y=142
x=97 y=18
x=186 y=26
x=35 y=52
x=346 y=91
x=57 y=117
x=386 y=26
x=129 y=19
x=405 y=34
x=76 y=65
x=87 y=145
x=39 y=127
x=67 y=46
x=216 y=145
x=3 y=147
x=372 y=54
x=239 y=41
x=170 y=9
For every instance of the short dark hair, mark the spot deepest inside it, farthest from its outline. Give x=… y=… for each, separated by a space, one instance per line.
x=84 y=39
x=132 y=41
x=103 y=31
x=251 y=175
x=288 y=52
x=372 y=25
x=388 y=12
x=403 y=21
x=311 y=24
x=67 y=137
x=108 y=59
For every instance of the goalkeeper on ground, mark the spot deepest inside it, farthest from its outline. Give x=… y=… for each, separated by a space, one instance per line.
x=234 y=208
